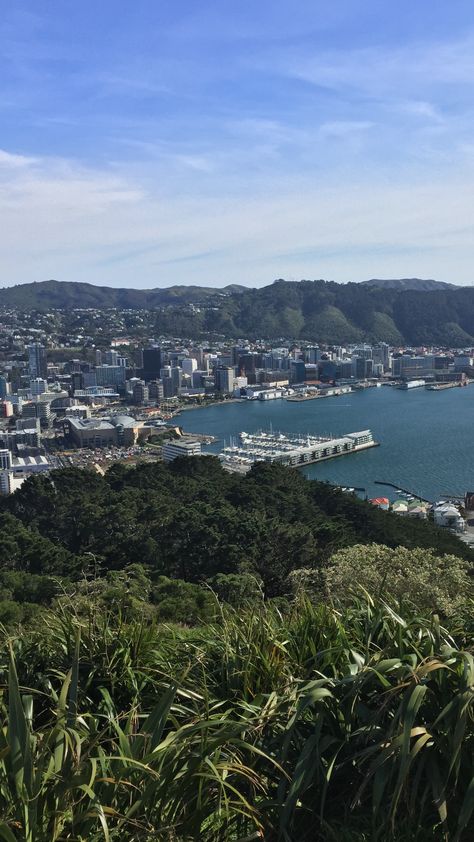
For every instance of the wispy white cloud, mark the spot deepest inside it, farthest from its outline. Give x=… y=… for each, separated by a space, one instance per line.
x=234 y=147
x=344 y=128
x=10 y=160
x=421 y=108
x=385 y=70
x=64 y=220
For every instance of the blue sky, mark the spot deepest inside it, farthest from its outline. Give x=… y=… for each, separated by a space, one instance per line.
x=152 y=143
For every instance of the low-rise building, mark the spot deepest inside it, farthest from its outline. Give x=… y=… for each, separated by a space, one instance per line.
x=182 y=447
x=115 y=431
x=447 y=515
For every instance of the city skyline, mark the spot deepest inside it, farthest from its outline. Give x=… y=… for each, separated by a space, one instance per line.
x=236 y=144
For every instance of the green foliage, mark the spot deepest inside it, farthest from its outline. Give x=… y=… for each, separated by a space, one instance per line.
x=79 y=533
x=182 y=602
x=350 y=722
x=236 y=589
x=417 y=314
x=419 y=577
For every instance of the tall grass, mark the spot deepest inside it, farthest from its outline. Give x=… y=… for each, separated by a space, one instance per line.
x=321 y=724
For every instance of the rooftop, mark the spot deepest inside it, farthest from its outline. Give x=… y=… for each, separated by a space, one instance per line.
x=103 y=423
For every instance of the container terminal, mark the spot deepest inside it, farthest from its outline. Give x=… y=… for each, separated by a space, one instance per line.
x=294 y=451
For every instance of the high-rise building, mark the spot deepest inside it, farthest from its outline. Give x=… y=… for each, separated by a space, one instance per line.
x=89 y=378
x=5 y=387
x=314 y=354
x=6 y=409
x=5 y=460
x=189 y=365
x=364 y=351
x=38 y=386
x=382 y=355
x=197 y=378
x=155 y=390
x=224 y=379
x=362 y=367
x=110 y=375
x=37 y=409
x=37 y=363
x=140 y=393
x=176 y=374
x=297 y=371
x=151 y=364
x=77 y=380
x=111 y=357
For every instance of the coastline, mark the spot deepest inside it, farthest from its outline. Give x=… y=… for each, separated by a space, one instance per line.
x=207 y=405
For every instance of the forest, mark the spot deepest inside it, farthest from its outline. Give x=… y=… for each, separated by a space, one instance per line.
x=183 y=526
x=316 y=311
x=191 y=655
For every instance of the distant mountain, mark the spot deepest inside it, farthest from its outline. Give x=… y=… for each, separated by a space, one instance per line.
x=419 y=284
x=72 y=294
x=317 y=311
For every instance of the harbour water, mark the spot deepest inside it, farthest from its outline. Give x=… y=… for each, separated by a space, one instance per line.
x=426 y=438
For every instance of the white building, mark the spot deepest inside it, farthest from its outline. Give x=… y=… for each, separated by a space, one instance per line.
x=13 y=472
x=181 y=447
x=447 y=515
x=38 y=386
x=189 y=365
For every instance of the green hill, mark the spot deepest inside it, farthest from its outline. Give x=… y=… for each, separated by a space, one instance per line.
x=313 y=310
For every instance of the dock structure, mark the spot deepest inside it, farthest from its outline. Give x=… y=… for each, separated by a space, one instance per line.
x=294 y=451
x=403 y=490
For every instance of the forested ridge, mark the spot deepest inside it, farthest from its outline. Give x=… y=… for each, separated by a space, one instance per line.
x=320 y=310
x=188 y=521
x=188 y=655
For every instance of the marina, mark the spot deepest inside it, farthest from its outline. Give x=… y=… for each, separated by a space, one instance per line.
x=426 y=442
x=294 y=451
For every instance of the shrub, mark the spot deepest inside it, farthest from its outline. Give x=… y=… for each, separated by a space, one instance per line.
x=416 y=577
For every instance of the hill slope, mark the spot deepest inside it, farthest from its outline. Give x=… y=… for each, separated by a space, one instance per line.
x=320 y=310
x=67 y=294
x=419 y=284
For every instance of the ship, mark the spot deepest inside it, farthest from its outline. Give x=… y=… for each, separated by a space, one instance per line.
x=294 y=451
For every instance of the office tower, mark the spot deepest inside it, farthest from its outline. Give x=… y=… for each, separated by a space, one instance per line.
x=151 y=364
x=297 y=371
x=77 y=380
x=37 y=360
x=189 y=365
x=111 y=357
x=5 y=387
x=5 y=460
x=224 y=379
x=38 y=386
x=140 y=393
x=364 y=352
x=155 y=390
x=110 y=375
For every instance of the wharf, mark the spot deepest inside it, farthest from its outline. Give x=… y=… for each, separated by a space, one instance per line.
x=404 y=491
x=331 y=393
x=440 y=387
x=293 y=452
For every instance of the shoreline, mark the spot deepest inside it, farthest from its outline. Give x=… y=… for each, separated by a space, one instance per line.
x=207 y=405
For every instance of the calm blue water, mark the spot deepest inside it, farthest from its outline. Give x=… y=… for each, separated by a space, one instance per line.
x=426 y=438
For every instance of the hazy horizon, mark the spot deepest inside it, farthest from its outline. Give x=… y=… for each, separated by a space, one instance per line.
x=248 y=286
x=221 y=143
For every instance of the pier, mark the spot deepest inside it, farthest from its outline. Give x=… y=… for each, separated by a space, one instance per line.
x=292 y=451
x=403 y=491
